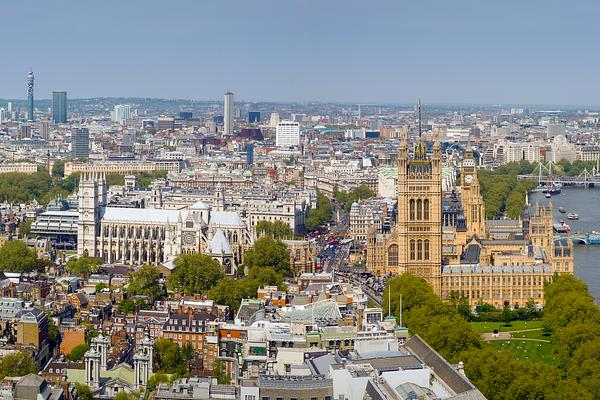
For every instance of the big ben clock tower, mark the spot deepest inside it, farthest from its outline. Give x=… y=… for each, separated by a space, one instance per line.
x=471 y=197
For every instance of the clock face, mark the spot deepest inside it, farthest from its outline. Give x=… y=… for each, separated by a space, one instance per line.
x=469 y=178
x=188 y=238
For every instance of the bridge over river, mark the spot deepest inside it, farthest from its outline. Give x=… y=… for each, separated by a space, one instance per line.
x=548 y=175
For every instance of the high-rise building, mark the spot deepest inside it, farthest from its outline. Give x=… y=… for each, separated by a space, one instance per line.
x=274 y=120
x=44 y=129
x=228 y=114
x=2 y=115
x=287 y=134
x=165 y=123
x=9 y=107
x=59 y=107
x=254 y=117
x=30 y=116
x=249 y=154
x=80 y=143
x=122 y=113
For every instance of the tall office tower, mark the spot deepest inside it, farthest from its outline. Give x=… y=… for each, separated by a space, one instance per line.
x=80 y=143
x=59 y=107
x=254 y=117
x=30 y=96
x=228 y=114
x=24 y=131
x=44 y=129
x=9 y=107
x=122 y=113
x=274 y=120
x=287 y=134
x=2 y=116
x=249 y=154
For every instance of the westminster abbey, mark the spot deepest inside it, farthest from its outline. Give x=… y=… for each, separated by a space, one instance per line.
x=445 y=238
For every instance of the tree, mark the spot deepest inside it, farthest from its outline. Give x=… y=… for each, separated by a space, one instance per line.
x=53 y=334
x=84 y=392
x=276 y=229
x=101 y=286
x=170 y=359
x=17 y=364
x=361 y=192
x=194 y=273
x=15 y=256
x=268 y=252
x=25 y=228
x=156 y=380
x=126 y=307
x=78 y=352
x=145 y=282
x=319 y=215
x=220 y=373
x=58 y=169
x=230 y=292
x=265 y=276
x=122 y=395
x=84 y=265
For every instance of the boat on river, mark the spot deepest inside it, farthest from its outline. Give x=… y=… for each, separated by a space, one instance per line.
x=572 y=216
x=561 y=210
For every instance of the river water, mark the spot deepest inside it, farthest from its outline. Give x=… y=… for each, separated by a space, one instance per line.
x=586 y=203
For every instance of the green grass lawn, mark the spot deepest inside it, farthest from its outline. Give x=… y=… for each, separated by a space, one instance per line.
x=527 y=350
x=488 y=327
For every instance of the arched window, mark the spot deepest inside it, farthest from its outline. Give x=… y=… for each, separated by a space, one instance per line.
x=393 y=255
x=412 y=249
x=419 y=249
x=426 y=210
x=419 y=210
x=426 y=249
x=411 y=206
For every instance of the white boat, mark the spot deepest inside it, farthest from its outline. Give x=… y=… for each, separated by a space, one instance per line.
x=572 y=216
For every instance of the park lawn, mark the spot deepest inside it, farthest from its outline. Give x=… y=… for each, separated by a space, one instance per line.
x=488 y=327
x=537 y=334
x=527 y=350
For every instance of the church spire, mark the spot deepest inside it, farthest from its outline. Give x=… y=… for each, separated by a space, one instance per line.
x=419 y=112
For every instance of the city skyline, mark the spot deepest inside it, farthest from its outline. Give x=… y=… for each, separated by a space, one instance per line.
x=464 y=52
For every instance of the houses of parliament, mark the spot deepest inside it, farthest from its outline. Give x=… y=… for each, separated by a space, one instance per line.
x=445 y=238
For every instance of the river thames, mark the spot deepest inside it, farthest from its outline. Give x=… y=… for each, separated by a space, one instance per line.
x=586 y=203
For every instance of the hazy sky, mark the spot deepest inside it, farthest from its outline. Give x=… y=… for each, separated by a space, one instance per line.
x=521 y=51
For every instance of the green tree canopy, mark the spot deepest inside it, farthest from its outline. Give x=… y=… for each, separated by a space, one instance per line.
x=275 y=230
x=58 y=168
x=194 y=273
x=17 y=364
x=319 y=215
x=78 y=351
x=268 y=252
x=84 y=265
x=145 y=282
x=361 y=192
x=230 y=292
x=83 y=392
x=170 y=358
x=15 y=256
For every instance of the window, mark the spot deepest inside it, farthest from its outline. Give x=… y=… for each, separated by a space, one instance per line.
x=419 y=249
x=250 y=397
x=411 y=206
x=426 y=249
x=426 y=210
x=393 y=255
x=412 y=249
x=419 y=210
x=265 y=398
